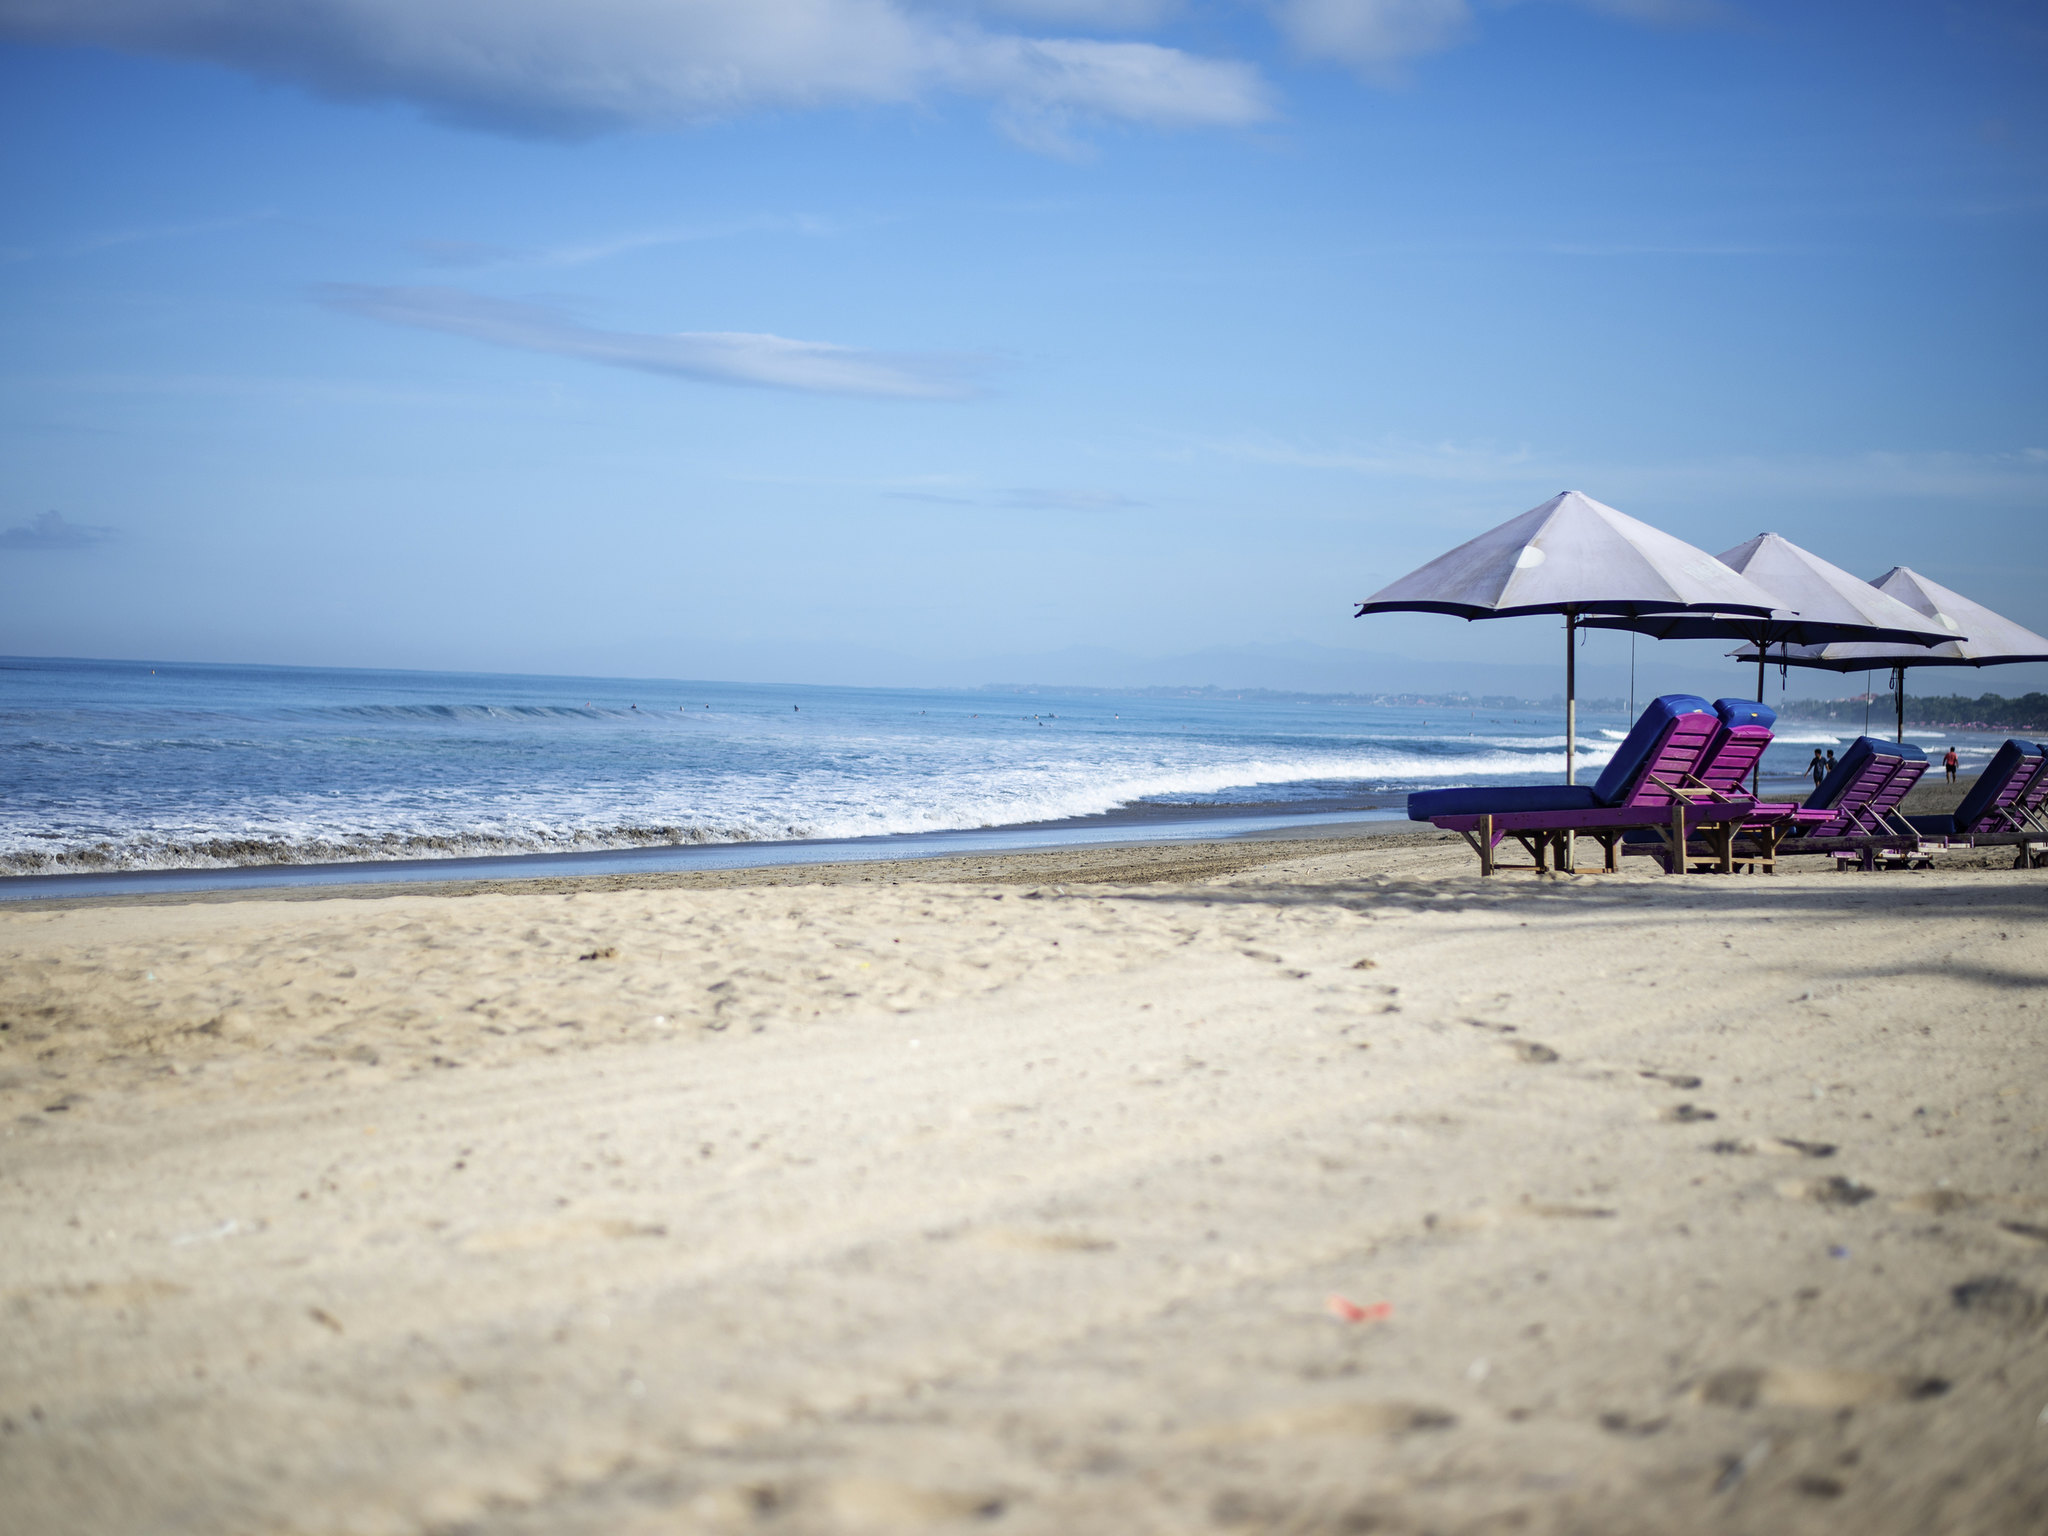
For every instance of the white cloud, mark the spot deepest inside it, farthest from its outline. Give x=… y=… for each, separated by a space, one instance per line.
x=1094 y=15
x=50 y=531
x=1375 y=36
x=718 y=357
x=1372 y=35
x=567 y=66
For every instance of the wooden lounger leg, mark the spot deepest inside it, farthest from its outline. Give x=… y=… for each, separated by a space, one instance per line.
x=1486 y=845
x=1611 y=845
x=1678 y=864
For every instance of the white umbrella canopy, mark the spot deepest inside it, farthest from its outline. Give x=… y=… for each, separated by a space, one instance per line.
x=1826 y=604
x=1977 y=637
x=1573 y=556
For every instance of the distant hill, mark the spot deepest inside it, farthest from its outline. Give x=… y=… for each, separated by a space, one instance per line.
x=1991 y=711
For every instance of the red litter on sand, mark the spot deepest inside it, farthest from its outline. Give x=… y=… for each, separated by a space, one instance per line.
x=1352 y=1312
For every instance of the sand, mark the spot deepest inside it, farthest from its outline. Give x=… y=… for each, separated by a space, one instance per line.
x=1289 y=1187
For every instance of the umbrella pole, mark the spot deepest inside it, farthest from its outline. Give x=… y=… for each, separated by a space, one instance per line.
x=1756 y=777
x=1570 y=863
x=1571 y=693
x=1899 y=692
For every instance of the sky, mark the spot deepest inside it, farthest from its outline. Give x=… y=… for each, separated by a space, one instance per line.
x=957 y=341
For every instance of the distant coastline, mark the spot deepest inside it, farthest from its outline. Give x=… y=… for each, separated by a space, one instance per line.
x=1937 y=712
x=1943 y=712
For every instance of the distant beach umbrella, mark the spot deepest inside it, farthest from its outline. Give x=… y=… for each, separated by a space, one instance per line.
x=1827 y=604
x=1580 y=558
x=1977 y=637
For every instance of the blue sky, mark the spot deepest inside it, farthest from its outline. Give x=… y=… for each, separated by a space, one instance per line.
x=876 y=341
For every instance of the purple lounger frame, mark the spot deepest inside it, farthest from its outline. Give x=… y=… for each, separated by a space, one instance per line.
x=1669 y=796
x=1860 y=820
x=2012 y=819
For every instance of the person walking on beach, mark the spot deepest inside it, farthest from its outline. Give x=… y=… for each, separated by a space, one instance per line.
x=1949 y=763
x=1817 y=768
x=1831 y=760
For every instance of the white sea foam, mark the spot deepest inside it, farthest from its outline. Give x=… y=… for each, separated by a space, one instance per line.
x=291 y=768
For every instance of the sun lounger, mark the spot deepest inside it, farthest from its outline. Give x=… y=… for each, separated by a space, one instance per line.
x=2003 y=808
x=1651 y=783
x=1853 y=814
x=1724 y=771
x=2006 y=797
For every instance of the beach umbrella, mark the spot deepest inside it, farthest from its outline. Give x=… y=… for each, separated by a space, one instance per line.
x=1576 y=557
x=1977 y=637
x=1827 y=604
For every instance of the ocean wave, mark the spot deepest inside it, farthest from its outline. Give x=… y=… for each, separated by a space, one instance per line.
x=148 y=851
x=386 y=824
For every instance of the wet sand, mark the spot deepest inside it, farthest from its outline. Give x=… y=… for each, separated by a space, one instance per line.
x=1294 y=1187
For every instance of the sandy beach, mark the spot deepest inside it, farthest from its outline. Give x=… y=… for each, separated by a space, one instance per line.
x=1295 y=1187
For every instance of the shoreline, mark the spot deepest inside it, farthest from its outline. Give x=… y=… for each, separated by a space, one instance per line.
x=1128 y=827
x=1116 y=862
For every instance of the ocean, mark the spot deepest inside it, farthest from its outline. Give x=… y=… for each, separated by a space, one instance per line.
x=134 y=766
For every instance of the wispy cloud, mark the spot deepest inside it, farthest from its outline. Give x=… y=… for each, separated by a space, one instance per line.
x=141 y=234
x=717 y=357
x=578 y=66
x=579 y=253
x=50 y=531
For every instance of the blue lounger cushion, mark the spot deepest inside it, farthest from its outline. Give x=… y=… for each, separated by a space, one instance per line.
x=1933 y=826
x=2008 y=760
x=1615 y=782
x=1499 y=799
x=1618 y=778
x=1851 y=763
x=1734 y=712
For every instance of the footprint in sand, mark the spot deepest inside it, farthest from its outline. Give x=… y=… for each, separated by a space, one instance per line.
x=1347 y=1419
x=1531 y=1052
x=878 y=1504
x=1774 y=1146
x=1679 y=1080
x=1789 y=1387
x=1935 y=1202
x=1622 y=1424
x=1834 y=1191
x=2002 y=1300
x=1686 y=1114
